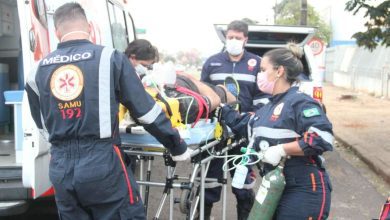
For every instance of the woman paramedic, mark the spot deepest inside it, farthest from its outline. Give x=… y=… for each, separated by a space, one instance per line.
x=291 y=125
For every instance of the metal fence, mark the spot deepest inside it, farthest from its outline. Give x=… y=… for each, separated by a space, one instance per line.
x=359 y=69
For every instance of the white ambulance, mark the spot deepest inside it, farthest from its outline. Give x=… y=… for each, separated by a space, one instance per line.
x=26 y=36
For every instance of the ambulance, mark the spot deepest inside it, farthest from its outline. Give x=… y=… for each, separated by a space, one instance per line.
x=26 y=36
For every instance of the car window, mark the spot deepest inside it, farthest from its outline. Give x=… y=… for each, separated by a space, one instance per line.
x=275 y=38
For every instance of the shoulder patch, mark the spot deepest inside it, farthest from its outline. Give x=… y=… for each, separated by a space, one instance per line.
x=311 y=112
x=252 y=62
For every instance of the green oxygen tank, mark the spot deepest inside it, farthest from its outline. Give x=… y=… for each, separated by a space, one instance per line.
x=268 y=195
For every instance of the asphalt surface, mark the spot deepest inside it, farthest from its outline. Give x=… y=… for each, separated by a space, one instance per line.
x=360 y=126
x=361 y=122
x=357 y=191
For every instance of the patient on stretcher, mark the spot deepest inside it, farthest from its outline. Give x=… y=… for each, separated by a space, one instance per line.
x=185 y=101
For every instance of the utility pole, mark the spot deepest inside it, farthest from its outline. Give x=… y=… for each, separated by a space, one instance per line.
x=275 y=11
x=304 y=12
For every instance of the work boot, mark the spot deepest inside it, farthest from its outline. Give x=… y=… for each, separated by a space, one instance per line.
x=244 y=206
x=207 y=212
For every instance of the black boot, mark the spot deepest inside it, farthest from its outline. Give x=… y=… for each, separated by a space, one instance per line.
x=207 y=211
x=244 y=206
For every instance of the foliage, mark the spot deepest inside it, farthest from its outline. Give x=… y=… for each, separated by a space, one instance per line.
x=189 y=58
x=378 y=24
x=250 y=21
x=167 y=57
x=288 y=12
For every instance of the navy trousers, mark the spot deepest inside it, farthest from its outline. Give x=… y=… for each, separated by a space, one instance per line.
x=91 y=181
x=307 y=194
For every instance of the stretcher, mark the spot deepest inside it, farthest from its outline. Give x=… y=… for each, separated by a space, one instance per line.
x=206 y=147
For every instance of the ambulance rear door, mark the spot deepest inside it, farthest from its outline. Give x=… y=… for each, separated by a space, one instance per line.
x=35 y=45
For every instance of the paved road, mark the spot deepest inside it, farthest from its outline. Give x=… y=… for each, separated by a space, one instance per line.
x=362 y=122
x=358 y=193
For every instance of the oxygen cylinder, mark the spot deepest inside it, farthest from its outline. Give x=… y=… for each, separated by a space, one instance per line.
x=268 y=195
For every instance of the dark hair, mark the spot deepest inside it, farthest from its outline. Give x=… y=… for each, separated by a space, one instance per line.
x=69 y=12
x=142 y=50
x=239 y=26
x=289 y=58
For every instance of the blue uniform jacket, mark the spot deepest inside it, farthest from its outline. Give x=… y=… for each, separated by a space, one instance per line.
x=289 y=116
x=219 y=66
x=74 y=93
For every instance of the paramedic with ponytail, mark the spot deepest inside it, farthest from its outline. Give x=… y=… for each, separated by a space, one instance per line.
x=291 y=125
x=74 y=95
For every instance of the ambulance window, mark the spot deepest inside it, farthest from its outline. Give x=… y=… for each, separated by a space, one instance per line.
x=130 y=28
x=118 y=27
x=40 y=11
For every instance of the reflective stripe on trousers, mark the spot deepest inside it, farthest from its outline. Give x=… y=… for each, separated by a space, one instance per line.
x=91 y=182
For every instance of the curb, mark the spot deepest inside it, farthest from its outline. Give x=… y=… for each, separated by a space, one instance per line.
x=365 y=159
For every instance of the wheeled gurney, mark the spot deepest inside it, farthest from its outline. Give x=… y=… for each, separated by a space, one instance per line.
x=206 y=147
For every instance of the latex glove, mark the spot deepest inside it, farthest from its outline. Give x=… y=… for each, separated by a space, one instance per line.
x=274 y=154
x=183 y=157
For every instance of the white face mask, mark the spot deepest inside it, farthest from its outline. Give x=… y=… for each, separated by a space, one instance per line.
x=141 y=70
x=234 y=47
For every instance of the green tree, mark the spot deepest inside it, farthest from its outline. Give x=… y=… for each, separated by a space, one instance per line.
x=168 y=57
x=250 y=21
x=378 y=24
x=288 y=12
x=189 y=58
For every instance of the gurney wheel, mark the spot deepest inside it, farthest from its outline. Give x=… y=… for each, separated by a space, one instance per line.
x=186 y=198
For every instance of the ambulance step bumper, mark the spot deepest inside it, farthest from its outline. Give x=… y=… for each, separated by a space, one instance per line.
x=13 y=196
x=8 y=208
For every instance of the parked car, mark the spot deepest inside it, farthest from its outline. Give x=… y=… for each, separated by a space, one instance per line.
x=262 y=38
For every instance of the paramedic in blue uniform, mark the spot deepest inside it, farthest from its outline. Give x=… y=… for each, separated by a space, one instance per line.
x=243 y=66
x=291 y=125
x=142 y=54
x=74 y=95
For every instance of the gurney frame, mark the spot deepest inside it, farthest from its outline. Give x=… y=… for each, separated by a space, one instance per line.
x=192 y=194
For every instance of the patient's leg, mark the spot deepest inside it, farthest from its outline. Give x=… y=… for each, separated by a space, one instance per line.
x=205 y=90
x=215 y=94
x=230 y=98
